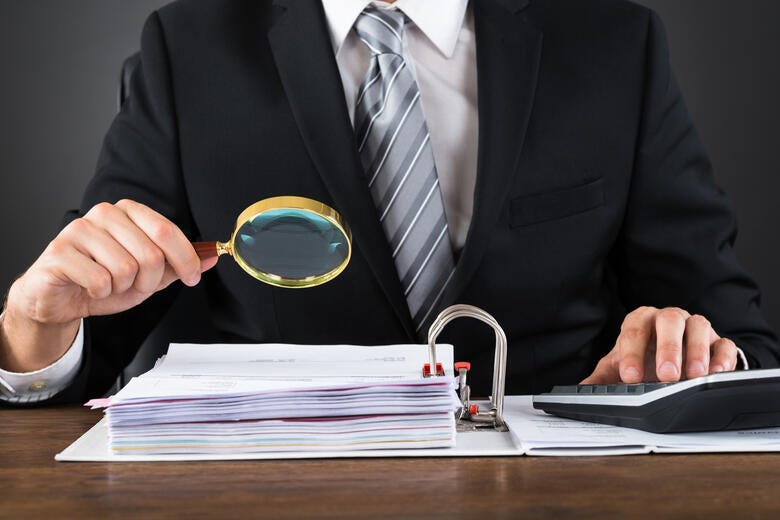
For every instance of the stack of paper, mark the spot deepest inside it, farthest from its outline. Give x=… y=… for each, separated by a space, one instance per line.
x=532 y=432
x=257 y=398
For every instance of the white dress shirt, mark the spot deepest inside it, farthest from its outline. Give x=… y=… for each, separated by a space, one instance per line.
x=440 y=49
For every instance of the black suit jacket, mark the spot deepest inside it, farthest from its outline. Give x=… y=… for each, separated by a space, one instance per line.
x=593 y=194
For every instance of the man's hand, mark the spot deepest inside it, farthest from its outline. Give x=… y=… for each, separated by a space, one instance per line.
x=111 y=260
x=664 y=345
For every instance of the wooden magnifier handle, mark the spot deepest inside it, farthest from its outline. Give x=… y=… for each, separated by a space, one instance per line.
x=206 y=250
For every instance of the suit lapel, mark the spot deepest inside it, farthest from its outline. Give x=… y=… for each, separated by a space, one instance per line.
x=303 y=53
x=508 y=56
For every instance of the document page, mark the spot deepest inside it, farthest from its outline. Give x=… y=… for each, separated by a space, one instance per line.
x=765 y=439
x=543 y=434
x=189 y=370
x=540 y=433
x=301 y=362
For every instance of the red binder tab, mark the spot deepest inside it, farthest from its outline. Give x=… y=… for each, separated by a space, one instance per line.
x=427 y=369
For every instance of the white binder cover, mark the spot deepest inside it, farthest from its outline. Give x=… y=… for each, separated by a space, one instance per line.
x=532 y=432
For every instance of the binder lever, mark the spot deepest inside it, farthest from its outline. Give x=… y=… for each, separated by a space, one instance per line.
x=470 y=412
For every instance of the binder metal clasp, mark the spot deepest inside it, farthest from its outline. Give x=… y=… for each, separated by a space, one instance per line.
x=470 y=416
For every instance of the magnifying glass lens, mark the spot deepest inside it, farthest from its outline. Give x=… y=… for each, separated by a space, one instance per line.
x=292 y=244
x=287 y=241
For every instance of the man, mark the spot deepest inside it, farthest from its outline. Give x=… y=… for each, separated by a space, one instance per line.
x=563 y=186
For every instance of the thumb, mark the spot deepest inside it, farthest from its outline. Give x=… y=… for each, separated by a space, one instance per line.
x=170 y=275
x=208 y=263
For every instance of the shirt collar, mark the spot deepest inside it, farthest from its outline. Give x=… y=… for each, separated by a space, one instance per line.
x=439 y=20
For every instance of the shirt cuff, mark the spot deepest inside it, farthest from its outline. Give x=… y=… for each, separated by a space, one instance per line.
x=33 y=387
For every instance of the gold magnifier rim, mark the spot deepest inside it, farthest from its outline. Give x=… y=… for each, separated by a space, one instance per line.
x=294 y=203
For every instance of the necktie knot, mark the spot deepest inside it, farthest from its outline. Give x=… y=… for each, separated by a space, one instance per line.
x=381 y=30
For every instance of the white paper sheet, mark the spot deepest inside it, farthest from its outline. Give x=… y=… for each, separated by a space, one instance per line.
x=189 y=370
x=280 y=362
x=543 y=434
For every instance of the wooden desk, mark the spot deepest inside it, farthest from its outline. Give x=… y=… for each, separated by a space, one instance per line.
x=33 y=485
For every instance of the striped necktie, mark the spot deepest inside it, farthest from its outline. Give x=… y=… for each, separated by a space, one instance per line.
x=395 y=150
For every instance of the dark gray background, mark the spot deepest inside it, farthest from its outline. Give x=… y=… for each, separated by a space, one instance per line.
x=59 y=63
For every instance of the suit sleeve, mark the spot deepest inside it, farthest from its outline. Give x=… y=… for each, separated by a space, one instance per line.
x=677 y=242
x=139 y=160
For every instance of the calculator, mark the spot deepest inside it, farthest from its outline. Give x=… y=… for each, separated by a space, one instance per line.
x=724 y=401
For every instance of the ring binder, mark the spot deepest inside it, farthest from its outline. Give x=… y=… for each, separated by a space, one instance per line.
x=469 y=412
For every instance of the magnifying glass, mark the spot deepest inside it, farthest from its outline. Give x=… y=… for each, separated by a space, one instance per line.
x=287 y=242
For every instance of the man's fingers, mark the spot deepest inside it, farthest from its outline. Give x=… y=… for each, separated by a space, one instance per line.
x=149 y=258
x=169 y=276
x=178 y=251
x=635 y=337
x=669 y=331
x=118 y=247
x=208 y=263
x=94 y=242
x=110 y=260
x=606 y=372
x=669 y=342
x=77 y=268
x=724 y=356
x=698 y=338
